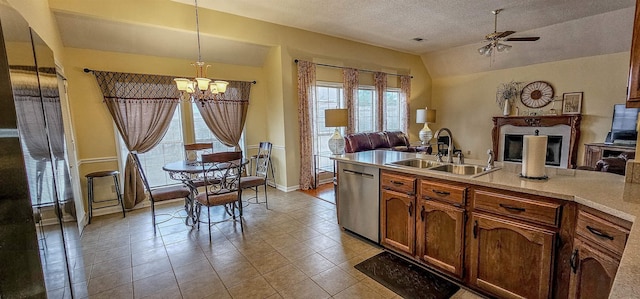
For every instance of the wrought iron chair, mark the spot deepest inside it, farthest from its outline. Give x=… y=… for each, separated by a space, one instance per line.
x=163 y=193
x=222 y=173
x=193 y=153
x=263 y=160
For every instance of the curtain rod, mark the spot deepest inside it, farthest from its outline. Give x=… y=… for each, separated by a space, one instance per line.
x=87 y=70
x=345 y=67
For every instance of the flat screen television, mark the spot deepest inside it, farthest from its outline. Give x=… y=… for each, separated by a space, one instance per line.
x=623 y=126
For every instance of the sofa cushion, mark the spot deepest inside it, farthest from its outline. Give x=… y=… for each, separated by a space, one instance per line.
x=357 y=142
x=397 y=139
x=379 y=140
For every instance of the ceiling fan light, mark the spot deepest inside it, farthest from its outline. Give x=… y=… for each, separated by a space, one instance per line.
x=484 y=50
x=503 y=47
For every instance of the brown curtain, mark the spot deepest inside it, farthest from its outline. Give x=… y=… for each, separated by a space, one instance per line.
x=306 y=93
x=142 y=107
x=350 y=82
x=380 y=82
x=225 y=115
x=405 y=98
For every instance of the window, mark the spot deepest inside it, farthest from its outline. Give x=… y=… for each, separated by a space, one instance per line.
x=365 y=110
x=394 y=110
x=328 y=96
x=171 y=147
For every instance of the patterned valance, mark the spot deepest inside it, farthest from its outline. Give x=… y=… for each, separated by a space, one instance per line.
x=123 y=87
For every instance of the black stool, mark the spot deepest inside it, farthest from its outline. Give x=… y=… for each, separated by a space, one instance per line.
x=99 y=174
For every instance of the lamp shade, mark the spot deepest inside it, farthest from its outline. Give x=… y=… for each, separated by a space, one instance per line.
x=425 y=116
x=335 y=118
x=431 y=116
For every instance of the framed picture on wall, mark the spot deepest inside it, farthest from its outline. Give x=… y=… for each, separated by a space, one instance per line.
x=571 y=102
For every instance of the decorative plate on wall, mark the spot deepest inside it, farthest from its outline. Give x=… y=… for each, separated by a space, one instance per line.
x=537 y=94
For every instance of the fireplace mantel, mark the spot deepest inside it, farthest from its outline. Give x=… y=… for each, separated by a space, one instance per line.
x=573 y=121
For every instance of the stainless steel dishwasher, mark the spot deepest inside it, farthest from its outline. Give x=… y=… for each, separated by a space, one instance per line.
x=358 y=199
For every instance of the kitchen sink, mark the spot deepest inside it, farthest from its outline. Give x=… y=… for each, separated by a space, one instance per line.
x=418 y=163
x=460 y=169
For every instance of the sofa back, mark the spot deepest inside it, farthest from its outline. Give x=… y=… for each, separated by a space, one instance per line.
x=359 y=142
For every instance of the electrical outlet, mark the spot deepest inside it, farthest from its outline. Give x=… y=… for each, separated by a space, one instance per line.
x=468 y=153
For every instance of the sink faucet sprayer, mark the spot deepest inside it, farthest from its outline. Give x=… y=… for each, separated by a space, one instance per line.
x=450 y=149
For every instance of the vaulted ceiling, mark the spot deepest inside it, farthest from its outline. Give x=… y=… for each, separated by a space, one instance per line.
x=451 y=30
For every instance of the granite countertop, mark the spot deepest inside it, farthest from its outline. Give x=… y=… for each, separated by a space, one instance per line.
x=605 y=192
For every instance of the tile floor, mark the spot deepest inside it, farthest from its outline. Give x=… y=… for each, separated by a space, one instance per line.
x=293 y=250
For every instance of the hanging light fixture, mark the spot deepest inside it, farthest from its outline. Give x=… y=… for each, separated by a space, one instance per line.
x=201 y=88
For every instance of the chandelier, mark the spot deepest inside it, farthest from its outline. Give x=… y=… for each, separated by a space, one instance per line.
x=201 y=88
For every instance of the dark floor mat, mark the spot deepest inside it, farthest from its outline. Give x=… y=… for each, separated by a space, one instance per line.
x=405 y=278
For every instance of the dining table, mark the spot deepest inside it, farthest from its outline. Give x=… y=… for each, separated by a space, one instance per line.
x=188 y=172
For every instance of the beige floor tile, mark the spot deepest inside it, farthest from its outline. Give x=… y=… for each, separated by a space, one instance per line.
x=143 y=257
x=121 y=292
x=319 y=243
x=285 y=276
x=171 y=292
x=359 y=290
x=269 y=262
x=253 y=288
x=237 y=273
x=151 y=268
x=203 y=286
x=306 y=288
x=154 y=284
x=313 y=264
x=101 y=269
x=109 y=281
x=296 y=251
x=378 y=288
x=334 y=280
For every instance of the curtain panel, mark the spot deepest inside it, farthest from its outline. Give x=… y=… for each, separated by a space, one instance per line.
x=142 y=107
x=405 y=97
x=380 y=82
x=226 y=116
x=306 y=93
x=351 y=79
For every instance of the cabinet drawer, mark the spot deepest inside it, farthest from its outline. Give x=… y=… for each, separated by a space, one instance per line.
x=602 y=232
x=444 y=192
x=398 y=183
x=518 y=207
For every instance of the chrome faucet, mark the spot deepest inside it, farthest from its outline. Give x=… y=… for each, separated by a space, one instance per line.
x=460 y=158
x=490 y=164
x=450 y=149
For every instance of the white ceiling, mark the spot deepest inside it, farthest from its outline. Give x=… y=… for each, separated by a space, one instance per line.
x=451 y=29
x=442 y=24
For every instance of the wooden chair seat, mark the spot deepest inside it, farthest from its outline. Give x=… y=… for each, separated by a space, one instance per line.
x=224 y=197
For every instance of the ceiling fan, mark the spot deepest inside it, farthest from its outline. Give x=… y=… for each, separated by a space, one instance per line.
x=495 y=38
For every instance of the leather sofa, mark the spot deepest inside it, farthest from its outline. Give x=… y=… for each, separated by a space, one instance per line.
x=359 y=142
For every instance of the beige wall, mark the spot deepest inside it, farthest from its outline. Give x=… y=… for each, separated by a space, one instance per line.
x=466 y=104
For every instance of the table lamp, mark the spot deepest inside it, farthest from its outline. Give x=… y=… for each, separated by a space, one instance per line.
x=336 y=118
x=425 y=116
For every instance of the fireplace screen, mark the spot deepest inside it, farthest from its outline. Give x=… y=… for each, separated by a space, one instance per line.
x=513 y=149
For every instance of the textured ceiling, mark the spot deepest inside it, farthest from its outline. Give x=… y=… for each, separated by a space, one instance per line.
x=393 y=24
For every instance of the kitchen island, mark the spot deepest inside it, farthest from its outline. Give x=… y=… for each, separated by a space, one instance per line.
x=600 y=193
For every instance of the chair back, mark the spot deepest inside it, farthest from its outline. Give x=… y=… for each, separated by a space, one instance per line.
x=222 y=172
x=194 y=151
x=134 y=154
x=263 y=159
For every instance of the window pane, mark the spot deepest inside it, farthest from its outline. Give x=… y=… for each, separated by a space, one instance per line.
x=365 y=111
x=170 y=149
x=394 y=111
x=203 y=134
x=327 y=97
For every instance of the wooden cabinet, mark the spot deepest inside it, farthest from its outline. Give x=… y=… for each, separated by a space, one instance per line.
x=597 y=249
x=511 y=259
x=397 y=221
x=633 y=93
x=593 y=152
x=397 y=212
x=440 y=236
x=592 y=272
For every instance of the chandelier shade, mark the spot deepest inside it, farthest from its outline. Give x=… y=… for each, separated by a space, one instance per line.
x=200 y=88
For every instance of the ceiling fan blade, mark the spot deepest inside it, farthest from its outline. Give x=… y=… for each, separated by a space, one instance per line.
x=523 y=39
x=505 y=34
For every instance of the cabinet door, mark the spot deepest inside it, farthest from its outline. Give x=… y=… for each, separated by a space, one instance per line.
x=398 y=221
x=592 y=272
x=440 y=235
x=633 y=97
x=510 y=259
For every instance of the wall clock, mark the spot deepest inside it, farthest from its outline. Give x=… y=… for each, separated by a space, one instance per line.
x=537 y=94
